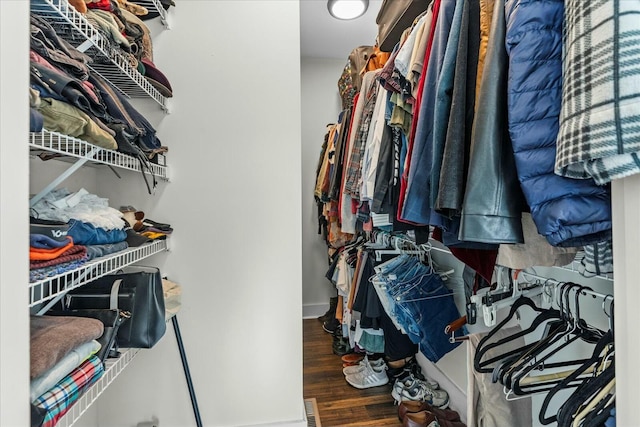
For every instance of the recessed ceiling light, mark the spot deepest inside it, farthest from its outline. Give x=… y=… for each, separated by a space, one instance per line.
x=347 y=9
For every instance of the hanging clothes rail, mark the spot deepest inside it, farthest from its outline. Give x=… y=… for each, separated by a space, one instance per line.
x=554 y=282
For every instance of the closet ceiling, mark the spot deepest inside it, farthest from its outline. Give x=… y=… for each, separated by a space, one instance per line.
x=322 y=36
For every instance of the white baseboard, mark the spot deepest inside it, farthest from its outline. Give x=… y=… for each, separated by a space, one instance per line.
x=457 y=394
x=294 y=423
x=299 y=423
x=311 y=311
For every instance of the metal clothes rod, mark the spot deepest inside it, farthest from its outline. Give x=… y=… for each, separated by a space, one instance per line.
x=547 y=280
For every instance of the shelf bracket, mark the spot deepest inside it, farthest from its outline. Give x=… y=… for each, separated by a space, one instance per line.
x=86 y=45
x=64 y=175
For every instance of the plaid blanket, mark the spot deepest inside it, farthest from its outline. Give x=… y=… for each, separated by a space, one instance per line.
x=59 y=399
x=600 y=119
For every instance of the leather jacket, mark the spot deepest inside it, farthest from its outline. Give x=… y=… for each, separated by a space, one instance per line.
x=493 y=200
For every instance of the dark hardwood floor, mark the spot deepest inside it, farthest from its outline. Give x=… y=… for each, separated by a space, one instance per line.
x=340 y=404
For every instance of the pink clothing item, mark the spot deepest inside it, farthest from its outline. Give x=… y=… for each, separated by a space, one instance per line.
x=90 y=89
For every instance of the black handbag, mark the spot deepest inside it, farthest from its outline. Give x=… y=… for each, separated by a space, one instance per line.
x=137 y=290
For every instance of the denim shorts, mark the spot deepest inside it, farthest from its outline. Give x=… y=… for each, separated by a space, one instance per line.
x=419 y=303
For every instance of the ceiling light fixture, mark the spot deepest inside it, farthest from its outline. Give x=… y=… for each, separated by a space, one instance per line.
x=347 y=9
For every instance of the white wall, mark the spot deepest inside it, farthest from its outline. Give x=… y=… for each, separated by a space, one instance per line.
x=625 y=203
x=234 y=202
x=14 y=223
x=320 y=106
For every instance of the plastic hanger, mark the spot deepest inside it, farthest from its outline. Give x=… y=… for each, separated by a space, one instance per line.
x=599 y=352
x=579 y=330
x=535 y=356
x=484 y=345
x=552 y=331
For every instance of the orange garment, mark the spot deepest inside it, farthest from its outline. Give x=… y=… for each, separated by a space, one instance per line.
x=339 y=309
x=486 y=15
x=37 y=254
x=376 y=60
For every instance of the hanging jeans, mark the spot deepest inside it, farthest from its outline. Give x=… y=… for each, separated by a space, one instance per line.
x=428 y=306
x=418 y=301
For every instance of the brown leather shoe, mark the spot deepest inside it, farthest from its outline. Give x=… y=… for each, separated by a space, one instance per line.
x=352 y=358
x=411 y=406
x=420 y=419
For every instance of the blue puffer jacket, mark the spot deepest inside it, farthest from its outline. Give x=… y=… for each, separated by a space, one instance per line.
x=567 y=212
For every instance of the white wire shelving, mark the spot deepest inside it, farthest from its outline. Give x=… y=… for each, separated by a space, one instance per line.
x=68 y=146
x=109 y=62
x=155 y=6
x=113 y=368
x=81 y=152
x=56 y=286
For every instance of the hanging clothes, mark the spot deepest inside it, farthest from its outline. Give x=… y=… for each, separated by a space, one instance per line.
x=416 y=207
x=493 y=200
x=599 y=134
x=415 y=298
x=455 y=156
x=568 y=212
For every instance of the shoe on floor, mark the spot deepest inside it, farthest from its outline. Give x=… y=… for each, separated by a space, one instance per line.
x=369 y=377
x=420 y=419
x=331 y=325
x=412 y=406
x=377 y=363
x=341 y=346
x=331 y=312
x=412 y=388
x=412 y=367
x=353 y=358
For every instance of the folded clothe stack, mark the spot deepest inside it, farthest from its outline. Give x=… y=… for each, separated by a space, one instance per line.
x=57 y=401
x=63 y=86
x=53 y=337
x=45 y=381
x=48 y=256
x=71 y=229
x=63 y=363
x=172 y=298
x=157 y=78
x=45 y=252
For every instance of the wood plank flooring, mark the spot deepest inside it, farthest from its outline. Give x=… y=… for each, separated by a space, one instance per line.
x=340 y=404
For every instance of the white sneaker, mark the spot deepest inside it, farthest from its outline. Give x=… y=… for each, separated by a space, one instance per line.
x=350 y=370
x=369 y=377
x=412 y=388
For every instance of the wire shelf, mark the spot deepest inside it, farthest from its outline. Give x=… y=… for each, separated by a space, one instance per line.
x=576 y=267
x=51 y=287
x=154 y=6
x=113 y=368
x=109 y=62
x=68 y=146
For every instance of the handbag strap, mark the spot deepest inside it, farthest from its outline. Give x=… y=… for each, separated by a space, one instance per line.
x=113 y=298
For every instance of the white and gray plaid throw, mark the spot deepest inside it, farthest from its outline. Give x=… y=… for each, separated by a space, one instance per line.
x=599 y=133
